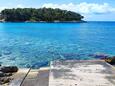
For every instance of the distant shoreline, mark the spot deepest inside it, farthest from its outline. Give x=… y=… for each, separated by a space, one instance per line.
x=52 y=22
x=43 y=22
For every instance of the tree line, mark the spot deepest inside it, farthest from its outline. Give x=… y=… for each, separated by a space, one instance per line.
x=41 y=14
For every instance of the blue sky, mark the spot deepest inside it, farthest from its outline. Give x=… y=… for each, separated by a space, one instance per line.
x=93 y=10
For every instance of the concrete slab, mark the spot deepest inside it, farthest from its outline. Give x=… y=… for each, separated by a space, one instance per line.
x=81 y=73
x=36 y=77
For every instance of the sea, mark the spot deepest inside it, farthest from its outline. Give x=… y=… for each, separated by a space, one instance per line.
x=30 y=44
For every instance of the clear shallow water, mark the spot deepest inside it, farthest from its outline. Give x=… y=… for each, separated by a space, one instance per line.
x=25 y=44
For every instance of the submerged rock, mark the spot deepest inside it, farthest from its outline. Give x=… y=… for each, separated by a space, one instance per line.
x=27 y=65
x=7 y=52
x=98 y=56
x=71 y=56
x=10 y=69
x=40 y=64
x=0 y=55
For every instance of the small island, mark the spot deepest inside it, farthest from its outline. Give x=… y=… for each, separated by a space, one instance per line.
x=39 y=15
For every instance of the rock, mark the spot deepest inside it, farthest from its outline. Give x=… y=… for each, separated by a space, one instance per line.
x=8 y=74
x=111 y=60
x=2 y=74
x=10 y=69
x=5 y=80
x=5 y=74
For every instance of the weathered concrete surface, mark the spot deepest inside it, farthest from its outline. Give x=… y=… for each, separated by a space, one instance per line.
x=81 y=73
x=41 y=78
x=36 y=77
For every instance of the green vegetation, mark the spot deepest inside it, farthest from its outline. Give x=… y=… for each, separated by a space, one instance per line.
x=37 y=15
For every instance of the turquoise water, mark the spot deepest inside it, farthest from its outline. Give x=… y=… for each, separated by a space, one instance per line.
x=25 y=44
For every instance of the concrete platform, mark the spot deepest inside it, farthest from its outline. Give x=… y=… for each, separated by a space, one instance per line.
x=36 y=77
x=81 y=73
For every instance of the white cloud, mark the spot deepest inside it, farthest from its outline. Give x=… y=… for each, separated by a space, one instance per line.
x=85 y=8
x=20 y=6
x=17 y=6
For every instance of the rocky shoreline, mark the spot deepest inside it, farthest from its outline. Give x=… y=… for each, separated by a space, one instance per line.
x=6 y=73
